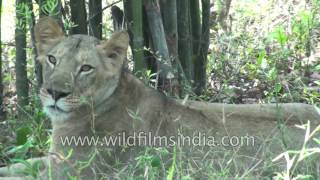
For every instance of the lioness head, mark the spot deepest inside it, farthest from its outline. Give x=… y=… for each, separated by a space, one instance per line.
x=77 y=68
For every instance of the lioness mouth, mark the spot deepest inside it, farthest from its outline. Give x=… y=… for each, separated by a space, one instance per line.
x=56 y=108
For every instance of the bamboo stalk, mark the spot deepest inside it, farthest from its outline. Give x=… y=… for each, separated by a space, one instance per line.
x=137 y=31
x=78 y=16
x=22 y=85
x=201 y=65
x=1 y=85
x=95 y=22
x=184 y=39
x=159 y=41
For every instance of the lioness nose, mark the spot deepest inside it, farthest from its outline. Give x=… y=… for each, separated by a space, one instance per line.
x=56 y=95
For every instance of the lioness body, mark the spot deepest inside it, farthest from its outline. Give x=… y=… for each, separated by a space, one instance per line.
x=87 y=94
x=163 y=116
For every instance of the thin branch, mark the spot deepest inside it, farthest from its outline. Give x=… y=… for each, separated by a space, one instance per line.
x=110 y=5
x=12 y=44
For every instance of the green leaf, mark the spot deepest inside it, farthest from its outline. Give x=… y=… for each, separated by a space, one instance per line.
x=172 y=168
x=316 y=140
x=279 y=35
x=272 y=73
x=22 y=135
x=261 y=60
x=277 y=88
x=156 y=161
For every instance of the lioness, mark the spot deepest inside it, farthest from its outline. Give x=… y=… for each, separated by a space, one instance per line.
x=86 y=93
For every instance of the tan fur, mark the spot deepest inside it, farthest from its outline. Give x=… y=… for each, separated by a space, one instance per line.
x=99 y=103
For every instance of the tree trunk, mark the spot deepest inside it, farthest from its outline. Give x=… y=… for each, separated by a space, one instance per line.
x=195 y=26
x=156 y=27
x=127 y=12
x=169 y=17
x=224 y=7
x=185 y=38
x=135 y=26
x=1 y=82
x=21 y=64
x=167 y=78
x=149 y=57
x=196 y=34
x=201 y=62
x=38 y=69
x=170 y=24
x=95 y=21
x=78 y=16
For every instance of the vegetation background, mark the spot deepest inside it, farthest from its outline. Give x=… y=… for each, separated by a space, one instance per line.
x=246 y=51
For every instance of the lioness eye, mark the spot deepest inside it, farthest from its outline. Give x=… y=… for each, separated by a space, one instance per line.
x=85 y=68
x=112 y=55
x=52 y=59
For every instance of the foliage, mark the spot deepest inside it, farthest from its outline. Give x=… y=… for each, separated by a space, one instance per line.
x=295 y=158
x=50 y=7
x=258 y=59
x=261 y=63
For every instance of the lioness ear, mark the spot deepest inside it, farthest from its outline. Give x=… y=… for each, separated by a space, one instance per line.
x=48 y=33
x=117 y=45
